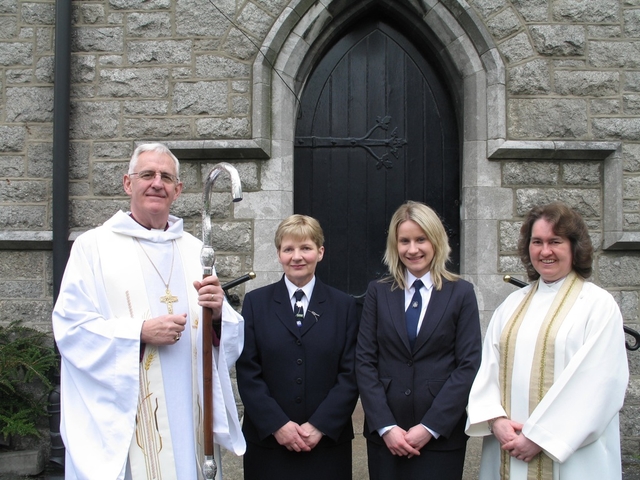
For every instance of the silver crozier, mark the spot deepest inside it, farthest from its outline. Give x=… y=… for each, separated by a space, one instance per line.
x=207 y=259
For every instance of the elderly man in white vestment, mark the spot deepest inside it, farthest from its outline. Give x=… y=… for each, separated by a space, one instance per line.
x=554 y=368
x=127 y=324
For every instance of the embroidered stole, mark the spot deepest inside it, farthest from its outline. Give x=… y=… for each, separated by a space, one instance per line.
x=151 y=452
x=542 y=369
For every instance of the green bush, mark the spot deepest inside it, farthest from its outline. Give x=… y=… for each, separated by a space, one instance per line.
x=26 y=359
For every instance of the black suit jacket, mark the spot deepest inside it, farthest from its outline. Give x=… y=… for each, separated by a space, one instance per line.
x=304 y=375
x=429 y=384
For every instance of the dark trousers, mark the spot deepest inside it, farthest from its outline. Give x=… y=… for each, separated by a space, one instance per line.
x=429 y=465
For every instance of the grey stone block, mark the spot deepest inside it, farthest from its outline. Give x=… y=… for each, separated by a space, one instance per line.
x=601 y=11
x=587 y=201
x=504 y=24
x=546 y=118
x=486 y=8
x=29 y=104
x=583 y=83
x=8 y=27
x=517 y=48
x=107 y=178
x=605 y=106
x=83 y=68
x=94 y=120
x=232 y=236
x=239 y=46
x=631 y=157
x=254 y=20
x=606 y=54
x=622 y=128
x=619 y=270
x=23 y=217
x=91 y=13
x=22 y=462
x=559 y=40
x=146 y=107
x=631 y=104
x=223 y=127
x=15 y=53
x=530 y=173
x=194 y=18
x=38 y=13
x=134 y=82
x=140 y=4
x=24 y=191
x=533 y=10
x=159 y=52
x=581 y=173
x=198 y=98
x=215 y=66
x=149 y=24
x=86 y=214
x=157 y=127
x=530 y=78
x=97 y=39
x=12 y=166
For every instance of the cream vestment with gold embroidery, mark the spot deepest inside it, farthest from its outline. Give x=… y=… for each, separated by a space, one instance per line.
x=575 y=418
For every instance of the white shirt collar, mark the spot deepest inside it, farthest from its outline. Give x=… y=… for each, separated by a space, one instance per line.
x=307 y=289
x=426 y=280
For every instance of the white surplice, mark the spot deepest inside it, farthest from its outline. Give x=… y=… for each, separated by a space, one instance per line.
x=101 y=350
x=576 y=423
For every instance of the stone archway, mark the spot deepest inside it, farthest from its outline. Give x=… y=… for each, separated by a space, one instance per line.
x=477 y=72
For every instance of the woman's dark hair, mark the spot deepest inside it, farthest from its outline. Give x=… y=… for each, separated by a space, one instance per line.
x=566 y=223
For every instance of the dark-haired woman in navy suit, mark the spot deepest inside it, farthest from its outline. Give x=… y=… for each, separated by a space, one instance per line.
x=415 y=368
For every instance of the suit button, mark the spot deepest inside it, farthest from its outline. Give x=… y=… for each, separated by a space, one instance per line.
x=298 y=342
x=299 y=361
x=410 y=363
x=298 y=400
x=298 y=381
x=407 y=392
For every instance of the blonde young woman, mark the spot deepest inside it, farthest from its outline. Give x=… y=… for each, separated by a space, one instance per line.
x=417 y=354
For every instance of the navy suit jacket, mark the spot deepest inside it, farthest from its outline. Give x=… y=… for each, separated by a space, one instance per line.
x=430 y=383
x=302 y=374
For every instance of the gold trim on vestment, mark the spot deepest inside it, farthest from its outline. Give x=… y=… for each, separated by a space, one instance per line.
x=542 y=368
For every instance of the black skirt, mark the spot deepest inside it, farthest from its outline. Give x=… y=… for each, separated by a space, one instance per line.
x=330 y=462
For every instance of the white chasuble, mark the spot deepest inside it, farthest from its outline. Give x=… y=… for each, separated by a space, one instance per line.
x=573 y=415
x=151 y=454
x=107 y=292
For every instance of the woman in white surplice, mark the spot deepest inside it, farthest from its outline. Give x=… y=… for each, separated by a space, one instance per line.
x=554 y=367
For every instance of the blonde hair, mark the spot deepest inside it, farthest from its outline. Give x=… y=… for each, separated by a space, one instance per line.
x=430 y=223
x=299 y=227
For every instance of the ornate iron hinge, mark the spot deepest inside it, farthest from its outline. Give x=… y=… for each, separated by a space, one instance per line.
x=393 y=143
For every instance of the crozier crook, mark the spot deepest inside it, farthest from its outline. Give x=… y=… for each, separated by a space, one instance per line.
x=207 y=259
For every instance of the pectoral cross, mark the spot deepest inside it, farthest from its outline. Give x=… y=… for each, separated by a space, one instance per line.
x=169 y=300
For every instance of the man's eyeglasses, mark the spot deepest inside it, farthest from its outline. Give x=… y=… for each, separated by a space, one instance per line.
x=147 y=175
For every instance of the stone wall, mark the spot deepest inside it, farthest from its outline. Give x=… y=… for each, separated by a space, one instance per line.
x=553 y=72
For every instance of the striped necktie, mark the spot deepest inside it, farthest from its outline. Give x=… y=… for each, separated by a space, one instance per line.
x=298 y=310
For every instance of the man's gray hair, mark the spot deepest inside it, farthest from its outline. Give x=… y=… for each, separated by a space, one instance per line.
x=152 y=147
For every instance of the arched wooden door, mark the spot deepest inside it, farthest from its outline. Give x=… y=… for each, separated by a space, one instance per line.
x=377 y=128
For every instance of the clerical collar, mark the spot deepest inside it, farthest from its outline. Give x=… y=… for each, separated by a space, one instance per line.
x=166 y=227
x=550 y=284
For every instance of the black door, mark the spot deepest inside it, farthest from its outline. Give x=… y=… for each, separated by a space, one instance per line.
x=377 y=128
